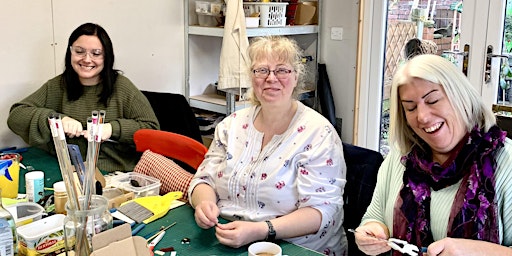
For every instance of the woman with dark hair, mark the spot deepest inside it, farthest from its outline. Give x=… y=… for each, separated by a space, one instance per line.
x=89 y=82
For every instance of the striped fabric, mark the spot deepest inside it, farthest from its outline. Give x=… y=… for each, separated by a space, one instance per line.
x=171 y=175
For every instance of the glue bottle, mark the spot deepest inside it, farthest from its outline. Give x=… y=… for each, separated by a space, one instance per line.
x=7 y=231
x=34 y=184
x=60 y=196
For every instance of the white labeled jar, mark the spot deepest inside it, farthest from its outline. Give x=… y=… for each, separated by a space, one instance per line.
x=34 y=184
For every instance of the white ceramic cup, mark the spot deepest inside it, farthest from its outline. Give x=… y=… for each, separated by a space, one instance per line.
x=264 y=249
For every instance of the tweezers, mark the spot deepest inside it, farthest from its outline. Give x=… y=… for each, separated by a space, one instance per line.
x=403 y=246
x=400 y=245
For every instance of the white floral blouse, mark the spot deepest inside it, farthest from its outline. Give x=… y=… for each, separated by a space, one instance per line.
x=303 y=167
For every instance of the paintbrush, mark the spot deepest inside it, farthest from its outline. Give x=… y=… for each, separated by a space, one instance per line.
x=149 y=208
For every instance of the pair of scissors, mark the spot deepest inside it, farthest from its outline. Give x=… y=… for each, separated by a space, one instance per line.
x=404 y=247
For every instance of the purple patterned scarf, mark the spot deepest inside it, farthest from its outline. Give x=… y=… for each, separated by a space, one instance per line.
x=474 y=213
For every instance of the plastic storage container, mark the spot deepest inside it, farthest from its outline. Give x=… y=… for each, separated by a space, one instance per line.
x=217 y=8
x=203 y=7
x=210 y=14
x=42 y=237
x=252 y=22
x=212 y=8
x=25 y=213
x=271 y=14
x=210 y=20
x=141 y=185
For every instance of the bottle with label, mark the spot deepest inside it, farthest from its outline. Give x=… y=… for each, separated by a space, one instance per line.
x=34 y=184
x=60 y=196
x=7 y=231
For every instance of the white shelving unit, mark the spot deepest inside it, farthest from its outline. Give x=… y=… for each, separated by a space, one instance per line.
x=202 y=56
x=252 y=32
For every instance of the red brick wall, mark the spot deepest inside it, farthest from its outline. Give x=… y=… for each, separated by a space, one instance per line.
x=443 y=14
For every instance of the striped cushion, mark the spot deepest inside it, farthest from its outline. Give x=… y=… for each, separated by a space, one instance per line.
x=171 y=175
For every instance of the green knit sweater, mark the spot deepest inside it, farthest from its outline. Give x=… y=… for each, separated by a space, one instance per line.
x=128 y=110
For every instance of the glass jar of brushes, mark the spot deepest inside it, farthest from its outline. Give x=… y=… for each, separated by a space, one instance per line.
x=81 y=225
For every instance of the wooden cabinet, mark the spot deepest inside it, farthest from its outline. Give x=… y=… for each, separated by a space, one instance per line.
x=202 y=56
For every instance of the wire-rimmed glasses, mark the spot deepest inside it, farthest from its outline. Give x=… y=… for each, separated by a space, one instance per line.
x=95 y=54
x=280 y=73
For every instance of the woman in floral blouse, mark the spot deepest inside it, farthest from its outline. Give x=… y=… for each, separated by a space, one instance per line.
x=276 y=169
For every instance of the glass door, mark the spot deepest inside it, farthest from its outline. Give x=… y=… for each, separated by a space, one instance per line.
x=462 y=31
x=488 y=51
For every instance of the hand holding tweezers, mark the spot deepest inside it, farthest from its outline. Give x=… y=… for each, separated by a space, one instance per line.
x=400 y=245
x=403 y=247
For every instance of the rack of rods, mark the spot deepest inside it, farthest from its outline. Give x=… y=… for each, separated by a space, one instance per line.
x=87 y=188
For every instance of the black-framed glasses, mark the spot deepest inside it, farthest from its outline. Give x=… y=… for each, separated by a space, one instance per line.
x=95 y=54
x=279 y=73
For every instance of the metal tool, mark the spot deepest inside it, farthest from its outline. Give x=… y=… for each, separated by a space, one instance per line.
x=158 y=233
x=400 y=245
x=403 y=247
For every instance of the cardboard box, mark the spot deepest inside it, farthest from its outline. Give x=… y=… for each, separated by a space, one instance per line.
x=306 y=13
x=119 y=241
x=115 y=202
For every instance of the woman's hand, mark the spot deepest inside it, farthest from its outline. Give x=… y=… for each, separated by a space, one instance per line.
x=371 y=238
x=239 y=233
x=466 y=247
x=206 y=214
x=106 y=132
x=204 y=199
x=72 y=128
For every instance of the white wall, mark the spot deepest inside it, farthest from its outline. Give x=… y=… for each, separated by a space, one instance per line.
x=340 y=58
x=147 y=38
x=149 y=46
x=26 y=54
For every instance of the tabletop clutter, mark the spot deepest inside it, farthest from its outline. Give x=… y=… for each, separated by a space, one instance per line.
x=85 y=204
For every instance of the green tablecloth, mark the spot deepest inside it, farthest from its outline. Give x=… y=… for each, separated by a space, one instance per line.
x=40 y=160
x=202 y=242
